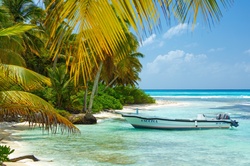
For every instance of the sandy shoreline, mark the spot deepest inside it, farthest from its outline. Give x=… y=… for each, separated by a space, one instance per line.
x=7 y=130
x=8 y=138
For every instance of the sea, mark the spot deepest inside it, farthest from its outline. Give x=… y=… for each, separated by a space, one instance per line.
x=114 y=141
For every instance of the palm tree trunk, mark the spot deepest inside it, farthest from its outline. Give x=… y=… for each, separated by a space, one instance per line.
x=94 y=88
x=59 y=100
x=85 y=99
x=55 y=62
x=110 y=83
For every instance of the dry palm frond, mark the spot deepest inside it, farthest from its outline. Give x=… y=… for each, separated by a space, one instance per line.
x=33 y=109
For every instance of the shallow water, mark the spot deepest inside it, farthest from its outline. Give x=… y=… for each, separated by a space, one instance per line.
x=116 y=142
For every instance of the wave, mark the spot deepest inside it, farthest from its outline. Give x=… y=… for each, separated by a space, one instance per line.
x=200 y=93
x=202 y=97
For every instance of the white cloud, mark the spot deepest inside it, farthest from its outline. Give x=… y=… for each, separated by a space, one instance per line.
x=176 y=31
x=215 y=49
x=244 y=66
x=152 y=41
x=179 y=69
x=149 y=40
x=161 y=44
x=174 y=61
x=247 y=52
x=191 y=45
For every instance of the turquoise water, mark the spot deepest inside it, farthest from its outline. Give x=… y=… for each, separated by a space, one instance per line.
x=115 y=142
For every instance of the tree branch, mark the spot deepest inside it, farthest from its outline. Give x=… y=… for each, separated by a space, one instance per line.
x=32 y=157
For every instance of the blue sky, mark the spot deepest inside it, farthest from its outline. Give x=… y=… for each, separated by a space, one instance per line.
x=216 y=57
x=180 y=57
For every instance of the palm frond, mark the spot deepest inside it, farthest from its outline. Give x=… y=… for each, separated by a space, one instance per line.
x=99 y=34
x=15 y=30
x=13 y=43
x=99 y=24
x=8 y=56
x=33 y=109
x=34 y=40
x=5 y=17
x=15 y=75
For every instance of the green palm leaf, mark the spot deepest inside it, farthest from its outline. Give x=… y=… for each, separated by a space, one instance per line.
x=26 y=79
x=33 y=109
x=15 y=30
x=8 y=56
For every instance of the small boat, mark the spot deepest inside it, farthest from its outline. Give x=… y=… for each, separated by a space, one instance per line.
x=221 y=121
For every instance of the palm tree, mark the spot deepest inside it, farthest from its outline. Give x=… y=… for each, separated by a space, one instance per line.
x=16 y=81
x=23 y=10
x=110 y=65
x=124 y=71
x=105 y=29
x=62 y=86
x=128 y=70
x=15 y=102
x=10 y=42
x=33 y=40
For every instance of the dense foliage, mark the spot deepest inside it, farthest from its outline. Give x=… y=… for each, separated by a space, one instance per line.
x=115 y=98
x=109 y=98
x=132 y=95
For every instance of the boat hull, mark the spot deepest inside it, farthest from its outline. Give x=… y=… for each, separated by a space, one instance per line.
x=162 y=123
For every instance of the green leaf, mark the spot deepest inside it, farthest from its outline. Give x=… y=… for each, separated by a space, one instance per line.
x=26 y=79
x=16 y=30
x=5 y=151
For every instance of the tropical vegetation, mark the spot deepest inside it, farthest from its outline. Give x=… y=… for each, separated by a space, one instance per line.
x=5 y=151
x=16 y=80
x=79 y=56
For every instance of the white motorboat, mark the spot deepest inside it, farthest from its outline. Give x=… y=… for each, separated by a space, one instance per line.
x=221 y=121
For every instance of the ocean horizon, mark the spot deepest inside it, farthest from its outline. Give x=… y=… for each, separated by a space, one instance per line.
x=113 y=141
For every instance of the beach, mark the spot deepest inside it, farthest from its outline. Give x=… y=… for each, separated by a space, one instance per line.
x=7 y=130
x=113 y=141
x=6 y=134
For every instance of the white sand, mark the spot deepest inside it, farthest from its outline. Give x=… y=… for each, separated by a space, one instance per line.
x=10 y=140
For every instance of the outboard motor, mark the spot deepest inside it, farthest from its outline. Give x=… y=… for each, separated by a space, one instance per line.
x=234 y=123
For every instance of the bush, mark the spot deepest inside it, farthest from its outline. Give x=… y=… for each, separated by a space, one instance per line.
x=5 y=151
x=64 y=113
x=132 y=95
x=105 y=101
x=109 y=102
x=97 y=107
